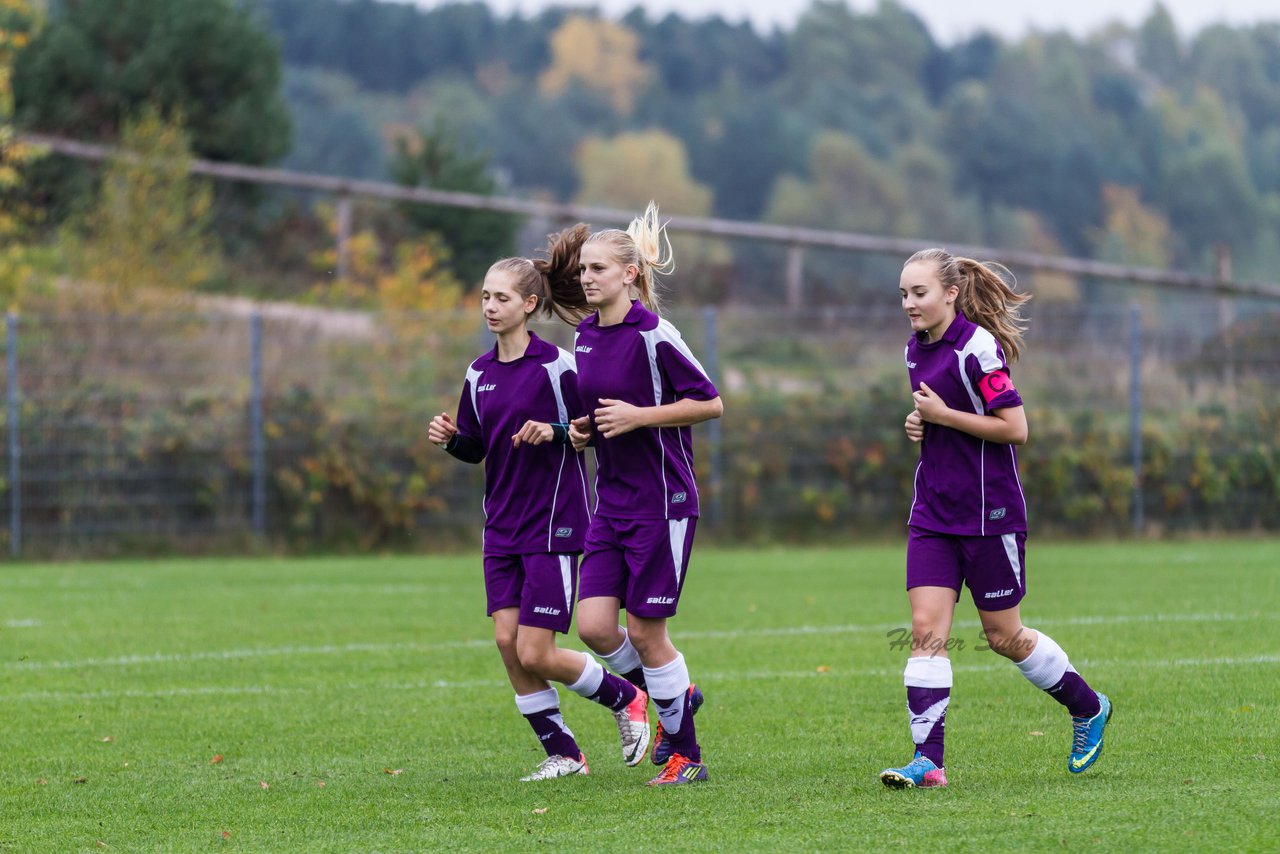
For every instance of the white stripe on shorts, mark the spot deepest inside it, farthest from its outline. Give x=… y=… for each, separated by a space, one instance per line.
x=676 y=529
x=1011 y=549
x=566 y=575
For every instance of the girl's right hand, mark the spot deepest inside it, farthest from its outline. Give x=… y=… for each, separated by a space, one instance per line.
x=915 y=426
x=441 y=429
x=580 y=432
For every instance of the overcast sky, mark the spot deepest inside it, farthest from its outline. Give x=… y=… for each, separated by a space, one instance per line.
x=950 y=19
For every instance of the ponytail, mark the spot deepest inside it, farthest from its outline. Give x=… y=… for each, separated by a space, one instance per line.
x=987 y=295
x=645 y=246
x=553 y=280
x=559 y=270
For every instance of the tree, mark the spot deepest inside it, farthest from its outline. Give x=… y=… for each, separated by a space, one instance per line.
x=600 y=55
x=846 y=188
x=333 y=136
x=475 y=238
x=629 y=170
x=17 y=21
x=147 y=235
x=632 y=168
x=1160 y=50
x=96 y=63
x=1131 y=233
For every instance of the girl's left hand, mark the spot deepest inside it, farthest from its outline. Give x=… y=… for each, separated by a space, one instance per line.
x=533 y=432
x=615 y=417
x=931 y=407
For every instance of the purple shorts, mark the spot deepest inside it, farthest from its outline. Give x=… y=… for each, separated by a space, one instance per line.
x=640 y=562
x=994 y=568
x=540 y=585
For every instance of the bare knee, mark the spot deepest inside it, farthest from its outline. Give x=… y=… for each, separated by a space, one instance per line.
x=534 y=657
x=602 y=636
x=506 y=638
x=1012 y=643
x=649 y=637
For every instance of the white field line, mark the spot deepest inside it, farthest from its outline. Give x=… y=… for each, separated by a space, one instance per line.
x=722 y=678
x=783 y=631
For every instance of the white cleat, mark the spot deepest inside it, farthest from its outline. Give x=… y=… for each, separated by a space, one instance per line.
x=558 y=766
x=633 y=728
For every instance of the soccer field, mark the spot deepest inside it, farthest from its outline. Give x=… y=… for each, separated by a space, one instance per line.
x=358 y=704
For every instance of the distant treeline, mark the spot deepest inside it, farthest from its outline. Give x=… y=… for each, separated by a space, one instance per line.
x=1142 y=144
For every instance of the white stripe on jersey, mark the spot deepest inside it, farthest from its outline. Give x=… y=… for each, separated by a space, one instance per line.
x=473 y=381
x=983 y=345
x=915 y=491
x=562 y=365
x=666 y=331
x=651 y=347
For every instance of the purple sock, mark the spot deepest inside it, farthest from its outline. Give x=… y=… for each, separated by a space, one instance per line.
x=556 y=739
x=927 y=708
x=684 y=742
x=636 y=678
x=1074 y=693
x=614 y=692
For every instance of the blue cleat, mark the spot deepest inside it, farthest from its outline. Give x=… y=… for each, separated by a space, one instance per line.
x=1086 y=746
x=661 y=744
x=920 y=772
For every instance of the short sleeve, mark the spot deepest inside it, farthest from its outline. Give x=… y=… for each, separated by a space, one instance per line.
x=683 y=374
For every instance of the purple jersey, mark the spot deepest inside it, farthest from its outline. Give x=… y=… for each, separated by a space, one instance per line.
x=965 y=485
x=647 y=473
x=535 y=496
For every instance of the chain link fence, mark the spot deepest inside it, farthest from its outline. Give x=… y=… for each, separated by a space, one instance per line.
x=224 y=431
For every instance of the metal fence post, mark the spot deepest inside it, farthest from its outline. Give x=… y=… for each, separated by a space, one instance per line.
x=714 y=438
x=795 y=275
x=257 y=437
x=344 y=236
x=1135 y=413
x=15 y=437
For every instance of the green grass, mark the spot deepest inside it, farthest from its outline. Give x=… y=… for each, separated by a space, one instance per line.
x=122 y=681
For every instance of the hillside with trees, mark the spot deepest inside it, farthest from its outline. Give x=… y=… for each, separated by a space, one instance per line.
x=1140 y=145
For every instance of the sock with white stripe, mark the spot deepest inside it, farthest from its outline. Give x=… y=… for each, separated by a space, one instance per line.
x=669 y=690
x=625 y=661
x=601 y=686
x=1049 y=669
x=928 y=683
x=542 y=711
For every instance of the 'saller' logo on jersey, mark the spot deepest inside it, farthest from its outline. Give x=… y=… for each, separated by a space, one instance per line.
x=997 y=514
x=680 y=498
x=564 y=532
x=542 y=609
x=999 y=594
x=488 y=387
x=911 y=365
x=659 y=600
x=581 y=349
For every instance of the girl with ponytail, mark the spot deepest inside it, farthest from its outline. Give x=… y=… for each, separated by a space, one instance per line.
x=644 y=389
x=517 y=400
x=968 y=522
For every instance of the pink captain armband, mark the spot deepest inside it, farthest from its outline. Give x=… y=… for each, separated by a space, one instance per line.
x=995 y=384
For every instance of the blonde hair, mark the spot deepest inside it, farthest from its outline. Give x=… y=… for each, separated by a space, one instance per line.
x=554 y=279
x=986 y=295
x=645 y=246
